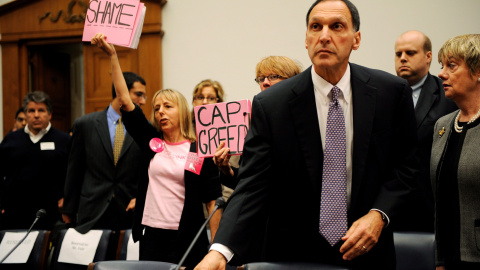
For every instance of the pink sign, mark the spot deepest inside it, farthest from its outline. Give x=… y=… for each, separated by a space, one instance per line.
x=226 y=121
x=120 y=20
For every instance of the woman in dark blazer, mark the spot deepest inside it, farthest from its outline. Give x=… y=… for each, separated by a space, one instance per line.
x=169 y=209
x=455 y=162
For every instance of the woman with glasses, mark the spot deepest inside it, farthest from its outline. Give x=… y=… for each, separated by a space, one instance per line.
x=206 y=92
x=210 y=92
x=274 y=69
x=171 y=190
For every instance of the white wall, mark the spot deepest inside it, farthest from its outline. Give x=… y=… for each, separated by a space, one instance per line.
x=3 y=2
x=223 y=39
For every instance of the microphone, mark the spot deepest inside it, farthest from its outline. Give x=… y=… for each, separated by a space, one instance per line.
x=219 y=203
x=40 y=213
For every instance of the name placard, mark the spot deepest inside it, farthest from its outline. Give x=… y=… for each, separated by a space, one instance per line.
x=79 y=248
x=21 y=254
x=226 y=121
x=133 y=250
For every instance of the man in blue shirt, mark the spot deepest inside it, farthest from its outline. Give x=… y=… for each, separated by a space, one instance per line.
x=100 y=188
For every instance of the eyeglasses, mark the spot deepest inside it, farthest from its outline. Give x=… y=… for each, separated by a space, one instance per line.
x=209 y=99
x=271 y=77
x=140 y=95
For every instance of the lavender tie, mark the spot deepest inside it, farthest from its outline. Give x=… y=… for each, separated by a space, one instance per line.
x=333 y=204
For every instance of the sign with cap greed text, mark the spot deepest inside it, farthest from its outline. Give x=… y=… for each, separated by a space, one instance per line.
x=222 y=122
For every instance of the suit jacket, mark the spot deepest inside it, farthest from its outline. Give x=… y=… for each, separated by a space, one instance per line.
x=468 y=185
x=432 y=104
x=92 y=178
x=281 y=171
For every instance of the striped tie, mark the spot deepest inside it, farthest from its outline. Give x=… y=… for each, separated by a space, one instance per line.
x=118 y=141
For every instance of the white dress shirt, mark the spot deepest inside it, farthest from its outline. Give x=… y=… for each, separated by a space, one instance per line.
x=417 y=90
x=322 y=99
x=35 y=138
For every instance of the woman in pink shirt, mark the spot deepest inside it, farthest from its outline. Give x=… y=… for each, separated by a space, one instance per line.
x=169 y=209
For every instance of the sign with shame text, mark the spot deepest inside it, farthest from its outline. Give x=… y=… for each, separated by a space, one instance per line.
x=222 y=122
x=120 y=20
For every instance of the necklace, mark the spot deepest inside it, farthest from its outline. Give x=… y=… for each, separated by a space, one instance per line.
x=458 y=128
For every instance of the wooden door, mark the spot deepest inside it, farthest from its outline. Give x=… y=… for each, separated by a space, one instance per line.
x=50 y=72
x=98 y=75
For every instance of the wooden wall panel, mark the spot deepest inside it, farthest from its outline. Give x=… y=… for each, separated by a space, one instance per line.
x=60 y=18
x=98 y=75
x=12 y=94
x=145 y=61
x=44 y=22
x=53 y=18
x=150 y=67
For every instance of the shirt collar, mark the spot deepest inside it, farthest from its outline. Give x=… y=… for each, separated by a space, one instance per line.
x=41 y=133
x=112 y=115
x=323 y=87
x=419 y=84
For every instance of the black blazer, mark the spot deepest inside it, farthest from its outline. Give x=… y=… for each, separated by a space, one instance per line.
x=281 y=173
x=199 y=189
x=92 y=177
x=431 y=105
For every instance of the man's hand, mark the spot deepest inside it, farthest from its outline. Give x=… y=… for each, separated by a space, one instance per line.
x=214 y=260
x=440 y=268
x=60 y=205
x=131 y=205
x=101 y=41
x=362 y=236
x=66 y=218
x=221 y=159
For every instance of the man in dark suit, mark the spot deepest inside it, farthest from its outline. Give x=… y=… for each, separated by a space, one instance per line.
x=99 y=190
x=283 y=174
x=413 y=55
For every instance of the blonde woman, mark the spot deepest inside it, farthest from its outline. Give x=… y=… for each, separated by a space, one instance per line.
x=169 y=203
x=455 y=162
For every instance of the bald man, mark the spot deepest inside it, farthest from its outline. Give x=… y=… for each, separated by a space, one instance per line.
x=413 y=55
